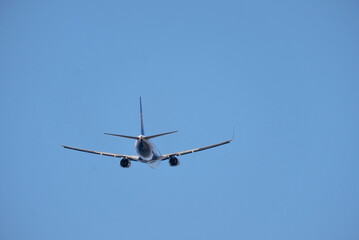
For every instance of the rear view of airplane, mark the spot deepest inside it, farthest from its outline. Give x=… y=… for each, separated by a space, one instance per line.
x=146 y=150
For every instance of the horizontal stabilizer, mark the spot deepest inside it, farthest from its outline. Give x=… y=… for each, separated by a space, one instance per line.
x=138 y=138
x=158 y=135
x=124 y=136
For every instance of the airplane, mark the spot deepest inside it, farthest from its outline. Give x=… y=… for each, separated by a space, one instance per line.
x=146 y=150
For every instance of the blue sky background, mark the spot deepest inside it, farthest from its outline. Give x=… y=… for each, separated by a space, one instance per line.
x=284 y=74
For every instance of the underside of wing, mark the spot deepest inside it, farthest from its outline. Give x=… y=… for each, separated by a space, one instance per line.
x=167 y=156
x=133 y=158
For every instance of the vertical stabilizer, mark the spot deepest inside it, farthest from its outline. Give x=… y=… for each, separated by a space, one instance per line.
x=142 y=130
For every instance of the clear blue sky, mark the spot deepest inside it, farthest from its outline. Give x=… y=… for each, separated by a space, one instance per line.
x=285 y=75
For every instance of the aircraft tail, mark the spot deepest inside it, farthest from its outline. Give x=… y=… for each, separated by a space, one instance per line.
x=142 y=129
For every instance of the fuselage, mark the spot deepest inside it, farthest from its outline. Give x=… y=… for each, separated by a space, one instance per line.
x=146 y=150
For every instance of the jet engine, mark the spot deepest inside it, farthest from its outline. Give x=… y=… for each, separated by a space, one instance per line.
x=174 y=162
x=125 y=163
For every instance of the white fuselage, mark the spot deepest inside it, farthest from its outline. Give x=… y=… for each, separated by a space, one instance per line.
x=146 y=150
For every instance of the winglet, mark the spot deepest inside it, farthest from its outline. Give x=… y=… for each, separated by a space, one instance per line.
x=142 y=129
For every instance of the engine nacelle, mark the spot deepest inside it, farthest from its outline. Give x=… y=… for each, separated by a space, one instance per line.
x=125 y=163
x=174 y=162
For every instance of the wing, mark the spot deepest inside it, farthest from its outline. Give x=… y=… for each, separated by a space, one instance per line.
x=167 y=156
x=133 y=158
